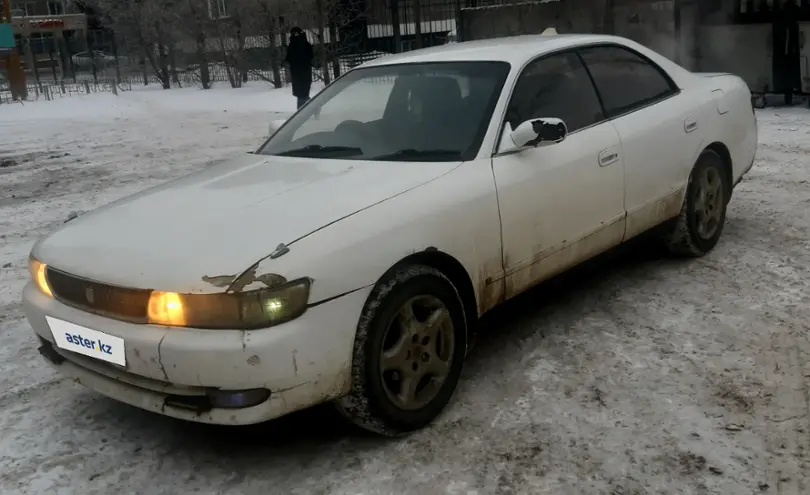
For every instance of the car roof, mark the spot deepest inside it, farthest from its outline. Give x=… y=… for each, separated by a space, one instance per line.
x=516 y=50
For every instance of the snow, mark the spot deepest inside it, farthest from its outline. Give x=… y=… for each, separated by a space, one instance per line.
x=253 y=98
x=635 y=375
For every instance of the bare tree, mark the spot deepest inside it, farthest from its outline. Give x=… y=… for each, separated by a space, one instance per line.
x=229 y=57
x=262 y=20
x=347 y=29
x=167 y=31
x=146 y=23
x=326 y=20
x=230 y=31
x=338 y=27
x=321 y=19
x=159 y=57
x=194 y=22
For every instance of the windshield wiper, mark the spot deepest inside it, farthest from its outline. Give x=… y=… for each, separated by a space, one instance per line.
x=318 y=150
x=412 y=153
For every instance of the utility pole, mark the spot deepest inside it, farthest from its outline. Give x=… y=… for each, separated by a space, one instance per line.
x=16 y=76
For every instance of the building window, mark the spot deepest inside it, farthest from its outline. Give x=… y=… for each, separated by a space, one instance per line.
x=56 y=8
x=216 y=9
x=27 y=8
x=41 y=43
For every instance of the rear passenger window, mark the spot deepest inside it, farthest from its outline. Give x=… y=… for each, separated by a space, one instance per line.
x=558 y=87
x=625 y=80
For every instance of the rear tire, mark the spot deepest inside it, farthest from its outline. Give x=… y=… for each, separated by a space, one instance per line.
x=408 y=352
x=703 y=214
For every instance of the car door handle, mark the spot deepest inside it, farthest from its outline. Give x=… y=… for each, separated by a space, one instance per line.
x=608 y=157
x=690 y=125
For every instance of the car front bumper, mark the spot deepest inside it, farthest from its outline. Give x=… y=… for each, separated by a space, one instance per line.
x=302 y=363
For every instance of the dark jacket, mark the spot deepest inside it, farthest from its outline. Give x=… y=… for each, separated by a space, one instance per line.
x=299 y=57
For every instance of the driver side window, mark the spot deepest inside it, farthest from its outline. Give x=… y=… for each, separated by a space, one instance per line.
x=557 y=86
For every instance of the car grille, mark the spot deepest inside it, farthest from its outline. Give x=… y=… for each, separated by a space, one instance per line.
x=106 y=300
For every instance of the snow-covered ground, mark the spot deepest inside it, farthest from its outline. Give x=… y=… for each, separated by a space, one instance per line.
x=633 y=376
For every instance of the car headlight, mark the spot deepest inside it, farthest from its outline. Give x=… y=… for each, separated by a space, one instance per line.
x=37 y=270
x=231 y=310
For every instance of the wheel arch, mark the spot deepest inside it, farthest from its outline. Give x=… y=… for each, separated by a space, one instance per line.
x=728 y=166
x=453 y=270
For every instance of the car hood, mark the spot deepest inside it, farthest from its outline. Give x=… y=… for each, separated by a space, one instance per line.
x=222 y=220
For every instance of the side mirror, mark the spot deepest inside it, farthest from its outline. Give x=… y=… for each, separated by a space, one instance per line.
x=275 y=125
x=539 y=132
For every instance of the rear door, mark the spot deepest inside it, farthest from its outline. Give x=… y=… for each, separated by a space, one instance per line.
x=657 y=127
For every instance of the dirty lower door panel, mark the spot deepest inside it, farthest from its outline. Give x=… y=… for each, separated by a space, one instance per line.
x=560 y=204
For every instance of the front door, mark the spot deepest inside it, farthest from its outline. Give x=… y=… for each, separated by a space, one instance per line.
x=563 y=203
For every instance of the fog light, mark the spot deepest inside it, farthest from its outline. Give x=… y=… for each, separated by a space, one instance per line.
x=237 y=399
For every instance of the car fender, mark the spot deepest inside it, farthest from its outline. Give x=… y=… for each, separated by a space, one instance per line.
x=456 y=214
x=728 y=118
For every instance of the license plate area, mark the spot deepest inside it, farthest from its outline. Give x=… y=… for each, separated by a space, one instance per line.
x=87 y=342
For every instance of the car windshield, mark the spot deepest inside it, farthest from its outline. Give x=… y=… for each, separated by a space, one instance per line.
x=436 y=111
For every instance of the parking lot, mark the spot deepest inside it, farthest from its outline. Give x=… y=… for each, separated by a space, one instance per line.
x=634 y=375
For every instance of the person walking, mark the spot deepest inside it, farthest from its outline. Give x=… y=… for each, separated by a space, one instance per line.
x=299 y=58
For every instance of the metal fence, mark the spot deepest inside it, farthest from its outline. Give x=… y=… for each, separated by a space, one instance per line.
x=84 y=82
x=64 y=89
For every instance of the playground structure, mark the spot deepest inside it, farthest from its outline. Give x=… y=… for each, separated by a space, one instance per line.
x=43 y=40
x=29 y=43
x=8 y=54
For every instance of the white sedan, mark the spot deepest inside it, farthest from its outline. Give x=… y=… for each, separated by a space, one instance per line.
x=349 y=258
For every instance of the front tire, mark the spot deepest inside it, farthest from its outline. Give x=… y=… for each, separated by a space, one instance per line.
x=408 y=352
x=703 y=214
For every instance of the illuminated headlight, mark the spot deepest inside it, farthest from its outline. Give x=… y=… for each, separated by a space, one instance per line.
x=238 y=310
x=37 y=270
